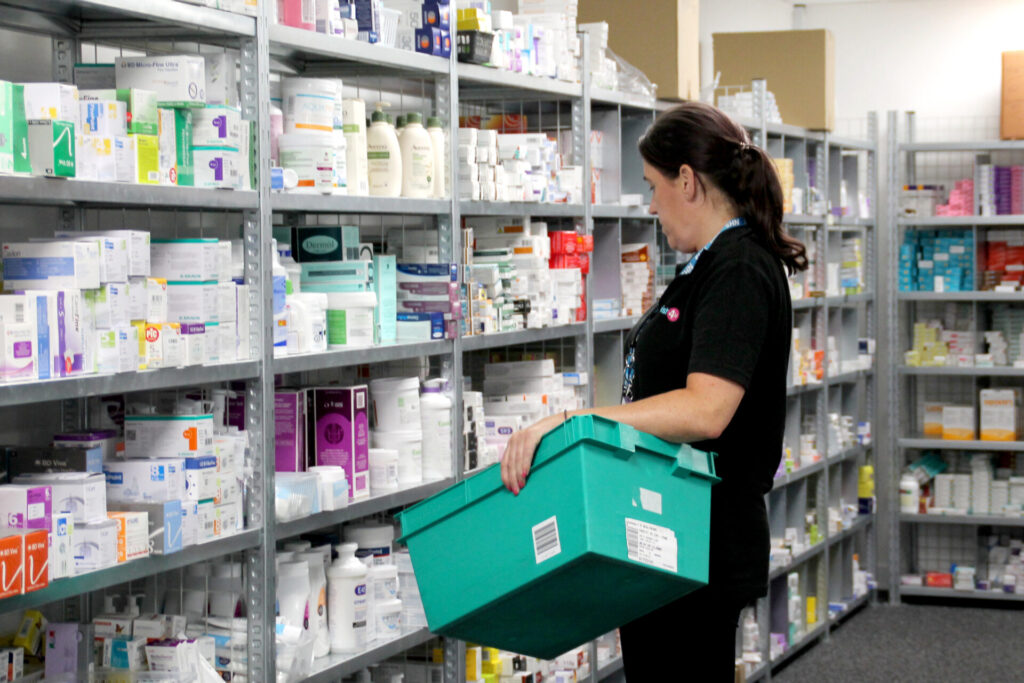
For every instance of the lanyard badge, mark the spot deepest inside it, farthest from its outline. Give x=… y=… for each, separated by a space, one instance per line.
x=734 y=223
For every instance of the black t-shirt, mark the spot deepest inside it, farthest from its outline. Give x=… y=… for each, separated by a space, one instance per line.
x=731 y=317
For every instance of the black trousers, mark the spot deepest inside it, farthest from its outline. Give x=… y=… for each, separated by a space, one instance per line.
x=691 y=639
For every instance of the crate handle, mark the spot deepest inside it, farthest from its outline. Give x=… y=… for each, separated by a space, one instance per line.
x=686 y=467
x=627 y=438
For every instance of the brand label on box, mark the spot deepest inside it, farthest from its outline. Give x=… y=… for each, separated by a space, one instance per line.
x=652 y=545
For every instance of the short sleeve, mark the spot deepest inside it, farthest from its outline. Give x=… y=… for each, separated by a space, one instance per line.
x=730 y=326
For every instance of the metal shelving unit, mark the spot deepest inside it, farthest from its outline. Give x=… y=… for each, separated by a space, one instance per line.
x=952 y=594
x=335 y=667
x=967 y=520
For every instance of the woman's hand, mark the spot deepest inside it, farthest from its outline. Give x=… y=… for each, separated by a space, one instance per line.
x=518 y=456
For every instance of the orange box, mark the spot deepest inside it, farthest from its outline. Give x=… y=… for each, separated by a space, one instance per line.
x=1011 y=120
x=36 y=552
x=12 y=564
x=132 y=534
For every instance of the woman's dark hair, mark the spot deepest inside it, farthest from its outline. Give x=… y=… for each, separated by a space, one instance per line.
x=715 y=147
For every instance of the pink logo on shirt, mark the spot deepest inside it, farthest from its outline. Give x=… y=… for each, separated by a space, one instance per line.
x=672 y=315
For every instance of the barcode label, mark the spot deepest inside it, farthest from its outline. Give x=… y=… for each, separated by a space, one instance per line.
x=129 y=435
x=545 y=540
x=19 y=313
x=360 y=401
x=652 y=545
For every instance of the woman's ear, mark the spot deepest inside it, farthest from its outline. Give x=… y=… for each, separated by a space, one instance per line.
x=686 y=182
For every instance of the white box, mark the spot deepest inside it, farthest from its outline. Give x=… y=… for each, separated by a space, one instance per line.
x=207 y=516
x=221 y=79
x=189 y=523
x=186 y=260
x=168 y=436
x=94 y=546
x=958 y=423
x=224 y=261
x=520 y=369
x=18 y=345
x=133 y=534
x=193 y=336
x=201 y=478
x=145 y=480
x=95 y=159
x=229 y=518
x=82 y=495
x=137 y=298
x=227 y=294
x=138 y=247
x=103 y=117
x=57 y=264
x=156 y=299
x=118 y=349
x=999 y=414
x=53 y=101
x=177 y=80
x=109 y=305
x=217 y=125
x=216 y=167
x=192 y=302
x=61 y=560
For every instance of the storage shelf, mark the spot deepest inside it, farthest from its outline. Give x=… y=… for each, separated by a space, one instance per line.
x=850 y=143
x=858 y=525
x=960 y=372
x=625 y=99
x=799 y=219
x=621 y=211
x=299 y=44
x=851 y=607
x=961 y=221
x=335 y=667
x=520 y=209
x=849 y=453
x=849 y=299
x=373 y=354
x=362 y=508
x=615 y=324
x=165 y=13
x=798 y=474
x=986 y=296
x=845 y=223
x=806 y=555
x=779 y=129
x=613 y=666
x=980 y=146
x=797 y=647
x=64 y=192
x=326 y=203
x=968 y=520
x=476 y=76
x=807 y=303
x=804 y=389
x=83 y=386
x=499 y=339
x=130 y=571
x=950 y=593
x=942 y=444
x=849 y=377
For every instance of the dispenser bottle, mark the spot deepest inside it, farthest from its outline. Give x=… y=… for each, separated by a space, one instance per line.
x=384 y=156
x=346 y=601
x=417 y=159
x=437 y=143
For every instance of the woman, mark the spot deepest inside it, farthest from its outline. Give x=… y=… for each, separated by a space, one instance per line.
x=707 y=365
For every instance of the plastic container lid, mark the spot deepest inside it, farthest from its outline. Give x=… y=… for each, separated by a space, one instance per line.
x=433 y=122
x=298 y=546
x=378 y=116
x=320 y=85
x=397 y=437
x=400 y=121
x=296 y=569
x=414 y=117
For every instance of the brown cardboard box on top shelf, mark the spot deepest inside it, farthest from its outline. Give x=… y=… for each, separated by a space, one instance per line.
x=659 y=37
x=1011 y=119
x=799 y=67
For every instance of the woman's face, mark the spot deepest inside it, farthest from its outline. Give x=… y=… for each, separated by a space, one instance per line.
x=673 y=202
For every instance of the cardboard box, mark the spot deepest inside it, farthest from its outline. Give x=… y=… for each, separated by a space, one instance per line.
x=165 y=518
x=95 y=546
x=14 y=157
x=290 y=431
x=178 y=80
x=1000 y=411
x=799 y=67
x=132 y=534
x=12 y=564
x=61 y=560
x=1011 y=120
x=140 y=107
x=662 y=40
x=51 y=146
x=338 y=433
x=958 y=423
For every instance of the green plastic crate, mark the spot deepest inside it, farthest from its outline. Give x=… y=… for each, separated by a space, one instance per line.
x=543 y=572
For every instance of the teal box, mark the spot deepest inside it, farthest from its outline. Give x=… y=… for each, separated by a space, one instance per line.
x=325 y=243
x=385 y=286
x=14 y=156
x=337 y=273
x=612 y=524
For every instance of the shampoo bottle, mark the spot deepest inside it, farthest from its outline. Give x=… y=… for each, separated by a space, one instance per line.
x=417 y=159
x=438 y=146
x=384 y=156
x=346 y=601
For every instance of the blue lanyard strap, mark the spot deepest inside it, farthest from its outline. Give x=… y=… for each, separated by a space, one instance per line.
x=734 y=223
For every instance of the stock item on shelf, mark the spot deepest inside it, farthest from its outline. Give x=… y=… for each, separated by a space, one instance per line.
x=636 y=274
x=998 y=413
x=981 y=562
x=169 y=120
x=932 y=261
x=999 y=191
x=1003 y=261
x=795 y=541
x=953 y=483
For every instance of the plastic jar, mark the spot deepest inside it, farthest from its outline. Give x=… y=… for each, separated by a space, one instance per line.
x=374 y=541
x=383 y=470
x=395 y=402
x=409 y=444
x=436 y=420
x=311 y=157
x=388 y=619
x=350 y=318
x=346 y=601
x=297 y=546
x=308 y=104
x=334 y=489
x=910 y=494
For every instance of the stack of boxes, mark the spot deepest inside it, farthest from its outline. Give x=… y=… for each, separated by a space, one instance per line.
x=932 y=261
x=570 y=264
x=919 y=201
x=784 y=168
x=636 y=274
x=1000 y=190
x=961 y=200
x=604 y=71
x=434 y=36
x=512 y=167
x=807 y=364
x=1004 y=260
x=1008 y=321
x=487 y=664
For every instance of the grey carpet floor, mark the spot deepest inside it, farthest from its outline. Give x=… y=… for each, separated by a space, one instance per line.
x=910 y=643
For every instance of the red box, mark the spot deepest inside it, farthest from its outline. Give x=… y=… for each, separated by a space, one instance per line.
x=588 y=243
x=36 y=555
x=584 y=263
x=563 y=242
x=12 y=556
x=938 y=580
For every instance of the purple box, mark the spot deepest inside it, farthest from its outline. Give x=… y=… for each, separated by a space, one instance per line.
x=338 y=433
x=62 y=649
x=25 y=506
x=290 y=430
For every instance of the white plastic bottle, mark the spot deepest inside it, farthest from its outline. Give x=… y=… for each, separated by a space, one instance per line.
x=910 y=494
x=417 y=159
x=383 y=156
x=437 y=143
x=354 y=122
x=317 y=622
x=346 y=601
x=315 y=304
x=293 y=592
x=340 y=161
x=436 y=419
x=400 y=127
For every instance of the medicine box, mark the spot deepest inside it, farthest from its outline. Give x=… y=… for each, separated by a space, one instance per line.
x=109 y=306
x=193 y=336
x=168 y=436
x=192 y=260
x=14 y=156
x=56 y=264
x=175 y=141
x=325 y=243
x=117 y=350
x=12 y=663
x=95 y=546
x=61 y=557
x=177 y=80
x=207 y=516
x=385 y=284
x=63 y=643
x=158 y=626
x=120 y=653
x=36 y=554
x=145 y=480
x=201 y=478
x=63 y=459
x=140 y=107
x=108 y=440
x=82 y=495
x=51 y=146
x=333 y=274
x=165 y=524
x=105 y=118
x=25 y=506
x=290 y=431
x=517 y=369
x=337 y=433
x=52 y=102
x=137 y=242
x=192 y=302
x=413 y=327
x=958 y=423
x=1000 y=414
x=217 y=125
x=18 y=352
x=132 y=534
x=12 y=564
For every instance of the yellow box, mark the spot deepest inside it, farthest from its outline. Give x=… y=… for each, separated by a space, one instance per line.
x=999 y=414
x=474 y=663
x=933 y=420
x=812 y=611
x=958 y=423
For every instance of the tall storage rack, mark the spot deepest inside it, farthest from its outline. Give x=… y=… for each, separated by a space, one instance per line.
x=932 y=542
x=448 y=89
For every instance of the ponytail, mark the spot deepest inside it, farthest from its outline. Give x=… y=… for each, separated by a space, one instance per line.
x=719 y=151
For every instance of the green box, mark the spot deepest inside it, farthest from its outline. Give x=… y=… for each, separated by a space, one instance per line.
x=176 y=165
x=14 y=156
x=147 y=159
x=141 y=104
x=585 y=547
x=51 y=146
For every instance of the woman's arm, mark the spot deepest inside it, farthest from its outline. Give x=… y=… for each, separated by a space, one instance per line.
x=700 y=411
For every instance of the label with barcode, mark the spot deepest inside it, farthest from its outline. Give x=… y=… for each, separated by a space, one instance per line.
x=19 y=313
x=545 y=540
x=652 y=545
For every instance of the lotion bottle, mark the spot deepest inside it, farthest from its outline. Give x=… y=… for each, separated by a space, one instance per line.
x=346 y=601
x=417 y=159
x=438 y=145
x=384 y=156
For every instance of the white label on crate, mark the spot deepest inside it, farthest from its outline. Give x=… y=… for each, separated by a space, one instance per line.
x=650 y=501
x=545 y=540
x=651 y=544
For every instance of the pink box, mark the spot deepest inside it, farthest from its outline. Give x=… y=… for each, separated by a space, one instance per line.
x=290 y=430
x=338 y=433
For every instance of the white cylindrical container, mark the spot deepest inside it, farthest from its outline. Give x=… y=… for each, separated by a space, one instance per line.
x=340 y=161
x=311 y=156
x=388 y=619
x=395 y=403
x=910 y=494
x=383 y=582
x=297 y=546
x=436 y=419
x=383 y=470
x=308 y=104
x=316 y=307
x=282 y=556
x=417 y=158
x=316 y=624
x=409 y=444
x=293 y=592
x=354 y=117
x=350 y=319
x=333 y=486
x=438 y=147
x=374 y=541
x=327 y=551
x=346 y=601
x=384 y=157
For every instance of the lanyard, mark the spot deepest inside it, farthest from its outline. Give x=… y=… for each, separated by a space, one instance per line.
x=734 y=223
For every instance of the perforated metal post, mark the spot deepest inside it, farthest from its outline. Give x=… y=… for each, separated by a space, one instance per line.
x=581 y=116
x=759 y=89
x=889 y=467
